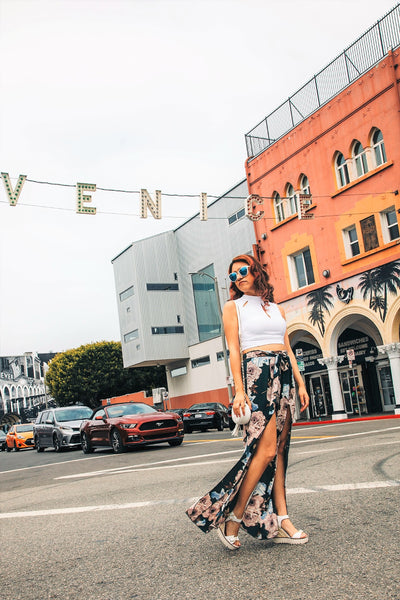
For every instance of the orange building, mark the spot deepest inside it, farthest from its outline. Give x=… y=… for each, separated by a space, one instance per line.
x=324 y=172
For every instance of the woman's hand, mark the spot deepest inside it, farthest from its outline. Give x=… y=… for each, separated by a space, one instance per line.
x=239 y=402
x=303 y=397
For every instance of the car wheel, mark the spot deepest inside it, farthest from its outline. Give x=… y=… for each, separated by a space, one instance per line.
x=87 y=447
x=116 y=442
x=16 y=449
x=220 y=426
x=38 y=446
x=187 y=429
x=57 y=443
x=8 y=449
x=175 y=442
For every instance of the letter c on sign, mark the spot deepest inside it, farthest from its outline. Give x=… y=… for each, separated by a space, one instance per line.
x=249 y=208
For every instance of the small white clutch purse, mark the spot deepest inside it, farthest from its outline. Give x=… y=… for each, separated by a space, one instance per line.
x=244 y=418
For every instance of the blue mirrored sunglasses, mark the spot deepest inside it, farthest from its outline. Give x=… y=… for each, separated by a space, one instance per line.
x=242 y=272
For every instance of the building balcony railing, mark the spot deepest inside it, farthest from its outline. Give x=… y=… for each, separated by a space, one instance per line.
x=353 y=62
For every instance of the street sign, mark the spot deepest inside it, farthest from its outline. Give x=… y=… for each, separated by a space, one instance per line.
x=351 y=356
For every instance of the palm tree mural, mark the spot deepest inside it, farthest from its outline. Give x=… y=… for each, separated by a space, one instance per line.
x=369 y=286
x=319 y=301
x=378 y=283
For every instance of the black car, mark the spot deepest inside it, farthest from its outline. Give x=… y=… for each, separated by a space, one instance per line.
x=208 y=415
x=3 y=442
x=177 y=411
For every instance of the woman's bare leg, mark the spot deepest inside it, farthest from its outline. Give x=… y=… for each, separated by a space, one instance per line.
x=264 y=454
x=278 y=490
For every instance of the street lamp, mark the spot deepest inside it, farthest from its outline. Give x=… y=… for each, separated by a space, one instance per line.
x=224 y=349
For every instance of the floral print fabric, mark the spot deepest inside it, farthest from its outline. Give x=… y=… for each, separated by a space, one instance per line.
x=270 y=386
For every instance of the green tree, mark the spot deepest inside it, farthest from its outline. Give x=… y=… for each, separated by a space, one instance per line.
x=93 y=372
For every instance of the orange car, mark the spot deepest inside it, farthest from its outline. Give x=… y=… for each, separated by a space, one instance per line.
x=20 y=436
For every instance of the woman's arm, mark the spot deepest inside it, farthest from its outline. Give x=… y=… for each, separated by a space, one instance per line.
x=302 y=392
x=231 y=327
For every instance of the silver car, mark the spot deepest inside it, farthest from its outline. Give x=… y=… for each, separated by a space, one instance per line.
x=59 y=427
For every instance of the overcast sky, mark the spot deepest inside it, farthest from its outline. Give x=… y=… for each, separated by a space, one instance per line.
x=132 y=94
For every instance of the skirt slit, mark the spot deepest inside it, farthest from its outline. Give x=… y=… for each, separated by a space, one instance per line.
x=269 y=384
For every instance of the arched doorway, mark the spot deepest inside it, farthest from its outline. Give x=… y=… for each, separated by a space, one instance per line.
x=356 y=338
x=307 y=352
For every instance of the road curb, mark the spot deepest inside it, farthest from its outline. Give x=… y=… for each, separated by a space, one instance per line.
x=352 y=420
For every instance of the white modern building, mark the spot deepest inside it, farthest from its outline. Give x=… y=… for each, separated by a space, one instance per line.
x=166 y=289
x=22 y=389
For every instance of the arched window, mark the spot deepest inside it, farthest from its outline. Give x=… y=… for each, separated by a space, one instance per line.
x=279 y=209
x=379 y=147
x=360 y=159
x=342 y=170
x=305 y=185
x=291 y=199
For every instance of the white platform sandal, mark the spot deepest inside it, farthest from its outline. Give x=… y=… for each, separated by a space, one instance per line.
x=229 y=540
x=284 y=538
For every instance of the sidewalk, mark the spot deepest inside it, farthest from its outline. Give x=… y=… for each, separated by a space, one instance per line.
x=330 y=421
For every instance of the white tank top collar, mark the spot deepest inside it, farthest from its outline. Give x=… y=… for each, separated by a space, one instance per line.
x=259 y=323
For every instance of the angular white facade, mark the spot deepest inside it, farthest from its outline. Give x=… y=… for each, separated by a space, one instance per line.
x=160 y=322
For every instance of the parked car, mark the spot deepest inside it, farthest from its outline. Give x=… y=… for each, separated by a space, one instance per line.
x=208 y=415
x=231 y=423
x=20 y=436
x=130 y=424
x=60 y=427
x=176 y=411
x=3 y=443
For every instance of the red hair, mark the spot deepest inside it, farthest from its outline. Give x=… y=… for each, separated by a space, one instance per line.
x=261 y=279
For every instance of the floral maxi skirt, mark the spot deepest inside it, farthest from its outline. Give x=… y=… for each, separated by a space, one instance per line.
x=269 y=384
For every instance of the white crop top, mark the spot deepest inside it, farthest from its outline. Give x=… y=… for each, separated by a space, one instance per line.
x=259 y=326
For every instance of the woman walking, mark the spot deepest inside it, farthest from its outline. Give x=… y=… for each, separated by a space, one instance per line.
x=253 y=494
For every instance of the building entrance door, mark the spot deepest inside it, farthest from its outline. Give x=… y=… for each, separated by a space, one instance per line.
x=353 y=391
x=320 y=395
x=386 y=387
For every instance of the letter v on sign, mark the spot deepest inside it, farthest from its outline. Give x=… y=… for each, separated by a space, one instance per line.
x=12 y=194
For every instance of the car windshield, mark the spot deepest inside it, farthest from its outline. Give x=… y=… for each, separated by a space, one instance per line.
x=73 y=414
x=127 y=410
x=201 y=406
x=24 y=428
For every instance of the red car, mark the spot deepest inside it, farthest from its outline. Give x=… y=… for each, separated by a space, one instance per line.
x=130 y=424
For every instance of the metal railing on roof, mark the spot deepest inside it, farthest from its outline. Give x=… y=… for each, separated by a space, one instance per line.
x=358 y=58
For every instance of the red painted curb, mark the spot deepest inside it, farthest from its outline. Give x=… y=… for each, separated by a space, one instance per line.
x=331 y=421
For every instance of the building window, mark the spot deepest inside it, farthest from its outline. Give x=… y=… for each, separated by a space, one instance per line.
x=291 y=199
x=390 y=226
x=132 y=335
x=360 y=159
x=126 y=293
x=162 y=287
x=369 y=233
x=379 y=148
x=236 y=216
x=303 y=268
x=342 y=170
x=178 y=371
x=278 y=205
x=199 y=362
x=206 y=305
x=351 y=242
x=305 y=185
x=167 y=330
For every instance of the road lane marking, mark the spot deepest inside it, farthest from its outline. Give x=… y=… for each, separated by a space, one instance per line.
x=367 y=485
x=300 y=441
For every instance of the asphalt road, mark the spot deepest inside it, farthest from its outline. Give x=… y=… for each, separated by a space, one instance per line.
x=113 y=527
